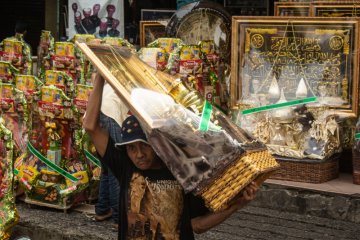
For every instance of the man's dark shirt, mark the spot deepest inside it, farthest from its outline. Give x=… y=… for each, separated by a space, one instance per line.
x=151 y=202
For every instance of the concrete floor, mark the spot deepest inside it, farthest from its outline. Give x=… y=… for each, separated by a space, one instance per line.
x=248 y=224
x=316 y=219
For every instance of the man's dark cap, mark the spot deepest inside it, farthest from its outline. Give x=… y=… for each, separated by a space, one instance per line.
x=131 y=131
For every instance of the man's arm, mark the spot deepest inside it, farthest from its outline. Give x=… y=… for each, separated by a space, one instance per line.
x=91 y=124
x=203 y=223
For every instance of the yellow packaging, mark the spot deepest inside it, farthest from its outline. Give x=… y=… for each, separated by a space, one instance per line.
x=114 y=41
x=54 y=78
x=45 y=36
x=25 y=83
x=7 y=98
x=51 y=95
x=83 y=92
x=190 y=52
x=83 y=37
x=64 y=49
x=81 y=175
x=6 y=72
x=6 y=91
x=13 y=46
x=154 y=57
x=190 y=60
x=207 y=47
x=50 y=176
x=169 y=44
x=28 y=173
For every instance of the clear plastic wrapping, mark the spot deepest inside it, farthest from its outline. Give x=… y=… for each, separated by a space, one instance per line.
x=207 y=153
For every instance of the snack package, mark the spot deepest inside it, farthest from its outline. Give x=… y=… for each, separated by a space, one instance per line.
x=16 y=51
x=53 y=171
x=168 y=44
x=64 y=56
x=89 y=168
x=120 y=42
x=172 y=47
x=190 y=60
x=82 y=96
x=211 y=59
x=211 y=54
x=9 y=215
x=27 y=83
x=82 y=72
x=7 y=72
x=44 y=53
x=12 y=52
x=61 y=80
x=190 y=63
x=83 y=38
x=46 y=43
x=154 y=57
x=15 y=113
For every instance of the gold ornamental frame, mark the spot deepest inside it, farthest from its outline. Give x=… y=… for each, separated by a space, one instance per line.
x=321 y=30
x=150 y=31
x=336 y=9
x=292 y=9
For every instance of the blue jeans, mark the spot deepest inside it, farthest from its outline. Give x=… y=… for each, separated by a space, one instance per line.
x=109 y=186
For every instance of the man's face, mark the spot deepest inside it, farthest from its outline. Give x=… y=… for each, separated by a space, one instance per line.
x=142 y=155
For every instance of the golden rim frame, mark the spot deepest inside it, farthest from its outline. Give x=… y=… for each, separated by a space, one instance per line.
x=144 y=25
x=238 y=51
x=295 y=6
x=316 y=6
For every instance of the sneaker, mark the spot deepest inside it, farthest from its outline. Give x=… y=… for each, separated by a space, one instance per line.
x=103 y=217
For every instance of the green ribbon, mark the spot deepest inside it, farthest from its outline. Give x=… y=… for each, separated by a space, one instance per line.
x=357 y=135
x=16 y=172
x=92 y=158
x=205 y=117
x=279 y=105
x=50 y=164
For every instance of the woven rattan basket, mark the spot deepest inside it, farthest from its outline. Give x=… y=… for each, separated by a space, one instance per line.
x=257 y=166
x=307 y=170
x=356 y=166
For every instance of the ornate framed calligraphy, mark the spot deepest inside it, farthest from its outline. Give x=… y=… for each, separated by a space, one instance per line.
x=335 y=9
x=292 y=9
x=324 y=52
x=150 y=31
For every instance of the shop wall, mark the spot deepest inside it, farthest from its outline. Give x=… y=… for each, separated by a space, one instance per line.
x=31 y=11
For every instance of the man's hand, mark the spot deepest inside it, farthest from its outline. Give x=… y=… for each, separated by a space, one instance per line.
x=203 y=223
x=247 y=195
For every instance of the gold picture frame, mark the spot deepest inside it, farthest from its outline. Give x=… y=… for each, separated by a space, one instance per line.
x=336 y=9
x=319 y=48
x=150 y=31
x=292 y=9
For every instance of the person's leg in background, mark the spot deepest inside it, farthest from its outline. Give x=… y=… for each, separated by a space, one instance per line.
x=114 y=190
x=102 y=207
x=112 y=184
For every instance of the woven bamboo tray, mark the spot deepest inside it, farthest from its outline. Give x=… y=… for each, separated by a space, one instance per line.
x=356 y=167
x=256 y=166
x=307 y=170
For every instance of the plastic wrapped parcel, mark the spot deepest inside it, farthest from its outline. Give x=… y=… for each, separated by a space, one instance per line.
x=9 y=216
x=216 y=163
